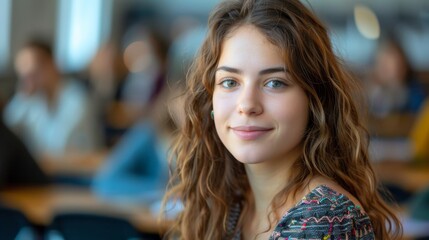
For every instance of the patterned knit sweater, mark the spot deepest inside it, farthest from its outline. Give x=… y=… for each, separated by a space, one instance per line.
x=321 y=214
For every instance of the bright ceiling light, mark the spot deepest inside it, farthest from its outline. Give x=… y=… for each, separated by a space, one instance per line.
x=366 y=22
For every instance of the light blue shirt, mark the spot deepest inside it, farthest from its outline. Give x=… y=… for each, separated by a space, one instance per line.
x=137 y=168
x=69 y=125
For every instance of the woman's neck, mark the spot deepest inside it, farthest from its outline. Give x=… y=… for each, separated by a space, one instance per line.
x=269 y=177
x=265 y=183
x=266 y=180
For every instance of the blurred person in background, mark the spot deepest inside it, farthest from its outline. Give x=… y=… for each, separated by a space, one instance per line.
x=52 y=114
x=126 y=80
x=17 y=165
x=106 y=78
x=395 y=94
x=136 y=169
x=144 y=57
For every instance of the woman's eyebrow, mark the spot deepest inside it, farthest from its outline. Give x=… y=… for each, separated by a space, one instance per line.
x=229 y=69
x=262 y=72
x=272 y=70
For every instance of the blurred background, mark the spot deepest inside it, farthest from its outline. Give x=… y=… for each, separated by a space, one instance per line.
x=90 y=95
x=77 y=29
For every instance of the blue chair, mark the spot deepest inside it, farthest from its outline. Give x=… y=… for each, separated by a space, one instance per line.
x=88 y=226
x=14 y=225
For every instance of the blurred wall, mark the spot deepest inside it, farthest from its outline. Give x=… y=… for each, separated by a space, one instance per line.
x=28 y=19
x=411 y=18
x=32 y=18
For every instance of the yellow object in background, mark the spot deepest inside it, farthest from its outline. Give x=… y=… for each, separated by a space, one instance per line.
x=420 y=136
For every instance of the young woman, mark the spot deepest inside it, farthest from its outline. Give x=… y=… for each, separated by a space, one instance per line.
x=273 y=146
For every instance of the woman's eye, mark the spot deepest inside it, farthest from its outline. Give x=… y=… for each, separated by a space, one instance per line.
x=275 y=84
x=229 y=83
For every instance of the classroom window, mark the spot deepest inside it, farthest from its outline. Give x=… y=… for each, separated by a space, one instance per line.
x=82 y=27
x=4 y=33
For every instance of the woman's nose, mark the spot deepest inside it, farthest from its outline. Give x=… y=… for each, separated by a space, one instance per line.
x=249 y=102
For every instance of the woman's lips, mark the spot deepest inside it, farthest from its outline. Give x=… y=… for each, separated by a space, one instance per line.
x=250 y=132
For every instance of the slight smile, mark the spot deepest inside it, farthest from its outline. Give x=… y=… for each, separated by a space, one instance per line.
x=250 y=132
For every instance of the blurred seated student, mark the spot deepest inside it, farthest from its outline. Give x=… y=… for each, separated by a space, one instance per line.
x=144 y=58
x=51 y=113
x=395 y=98
x=137 y=168
x=106 y=78
x=395 y=94
x=17 y=166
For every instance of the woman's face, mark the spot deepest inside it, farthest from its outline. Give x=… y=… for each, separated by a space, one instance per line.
x=260 y=113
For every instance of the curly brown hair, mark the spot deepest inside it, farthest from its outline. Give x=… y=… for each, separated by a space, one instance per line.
x=209 y=180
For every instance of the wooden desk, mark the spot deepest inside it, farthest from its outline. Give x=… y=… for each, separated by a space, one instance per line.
x=78 y=164
x=393 y=125
x=40 y=204
x=403 y=174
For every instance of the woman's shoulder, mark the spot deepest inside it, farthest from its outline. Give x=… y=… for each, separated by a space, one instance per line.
x=325 y=211
x=322 y=186
x=328 y=200
x=325 y=196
